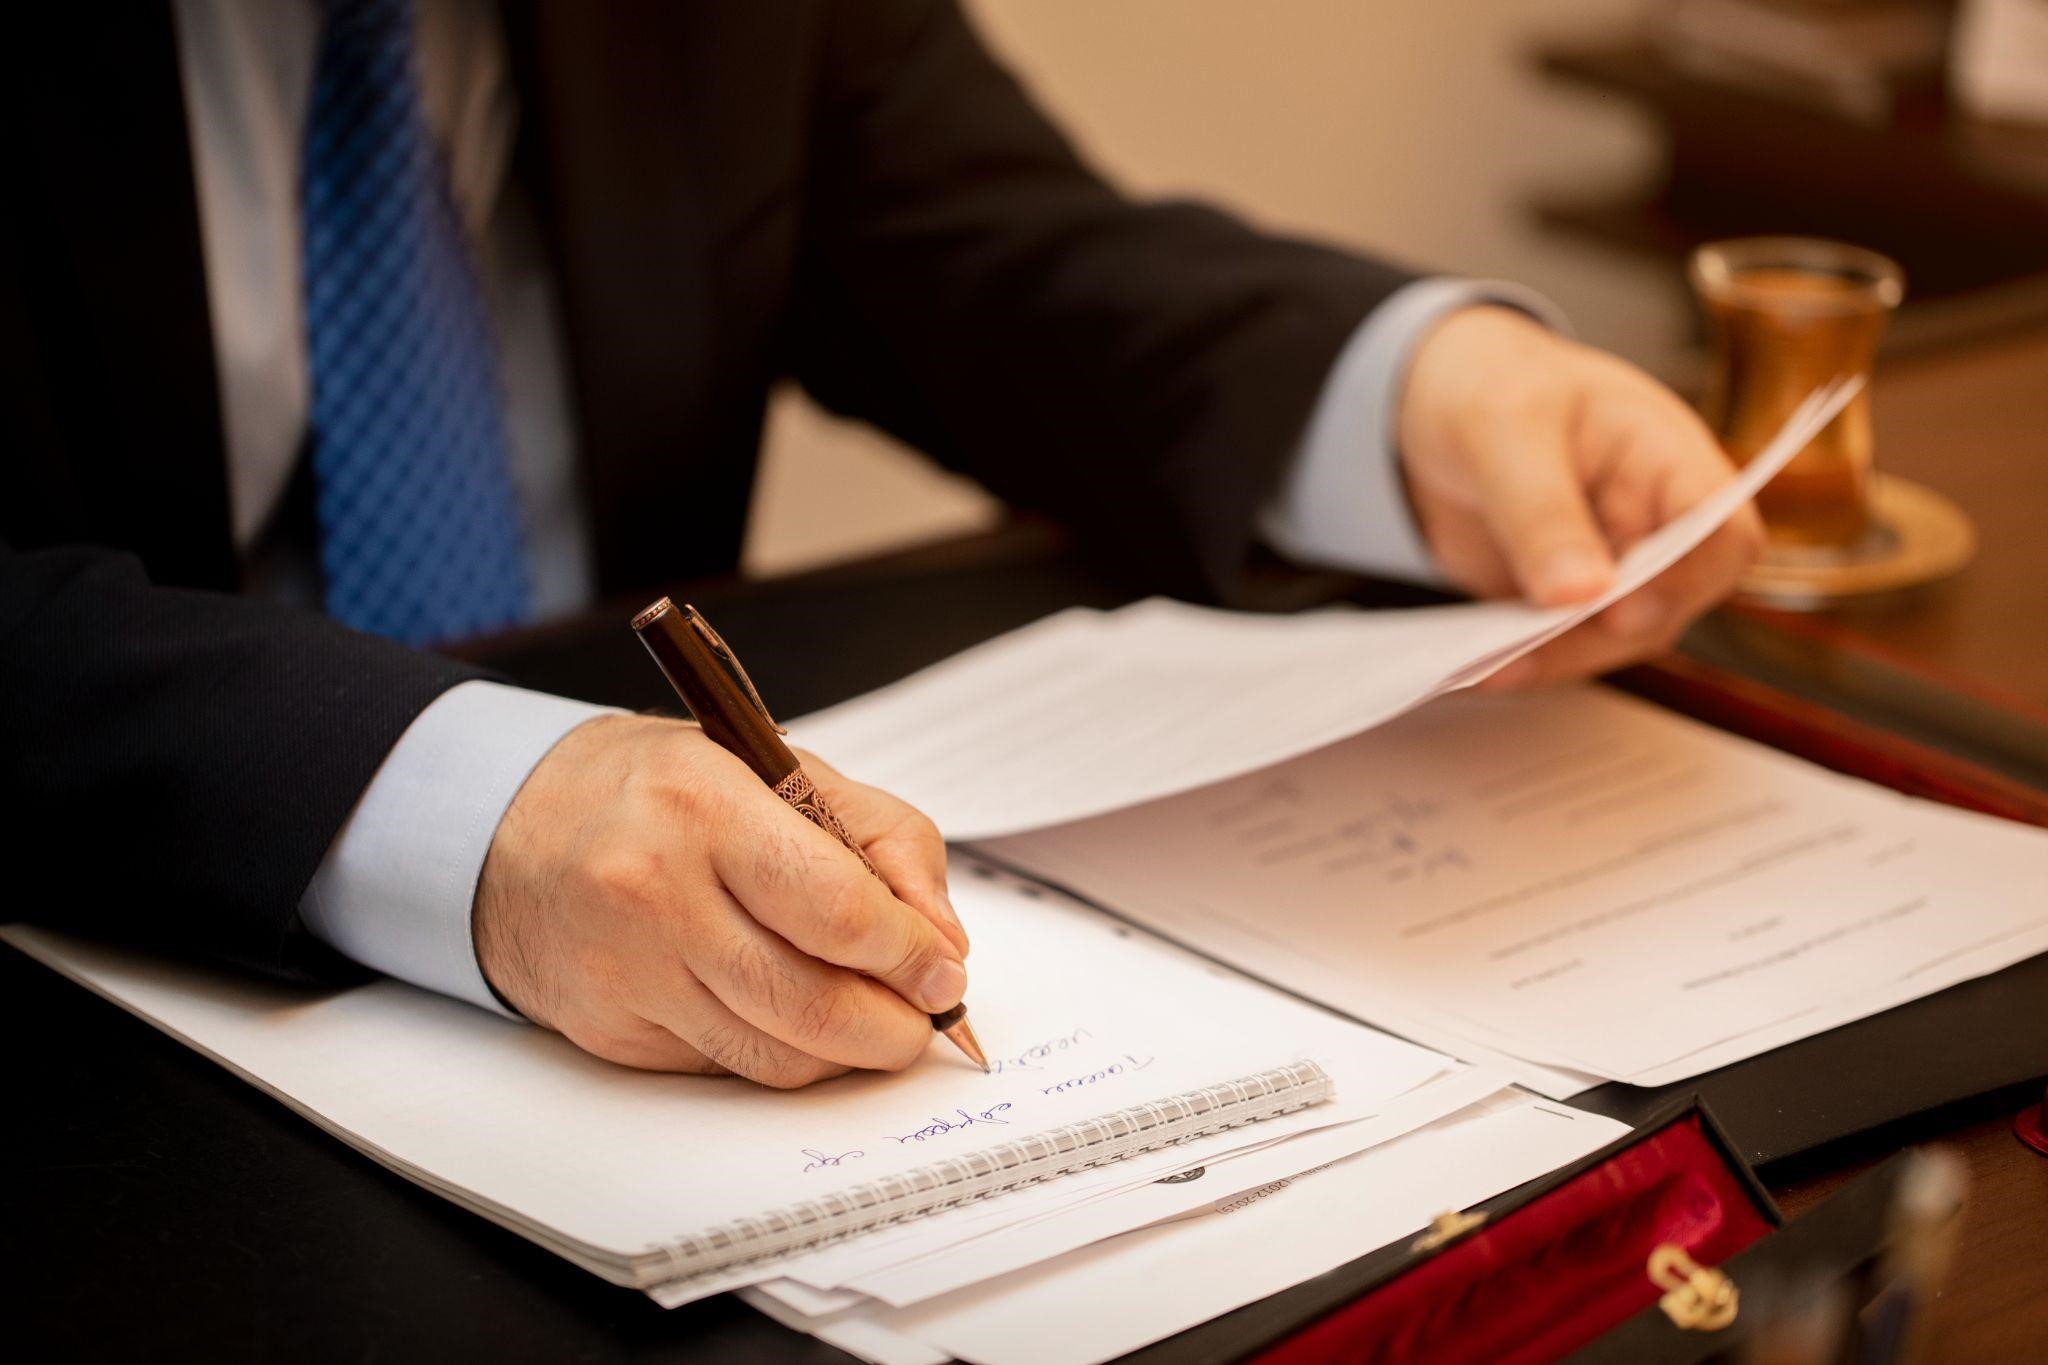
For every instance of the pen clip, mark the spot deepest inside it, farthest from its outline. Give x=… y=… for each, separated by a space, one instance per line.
x=723 y=653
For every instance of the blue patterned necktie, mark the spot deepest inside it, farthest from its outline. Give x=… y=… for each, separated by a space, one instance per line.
x=419 y=521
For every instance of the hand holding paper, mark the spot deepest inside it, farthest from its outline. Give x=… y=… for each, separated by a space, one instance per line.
x=1088 y=711
x=1531 y=461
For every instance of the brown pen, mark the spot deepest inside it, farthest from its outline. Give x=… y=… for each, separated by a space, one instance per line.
x=720 y=696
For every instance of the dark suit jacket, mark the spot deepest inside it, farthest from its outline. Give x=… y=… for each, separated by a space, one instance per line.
x=855 y=195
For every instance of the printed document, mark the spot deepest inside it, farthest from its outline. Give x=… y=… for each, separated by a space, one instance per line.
x=1573 y=877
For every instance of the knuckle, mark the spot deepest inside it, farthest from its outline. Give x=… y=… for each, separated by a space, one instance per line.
x=783 y=1068
x=739 y=1051
x=778 y=1073
x=759 y=974
x=924 y=830
x=920 y=955
x=844 y=913
x=777 y=858
x=828 y=1018
x=625 y=874
x=677 y=781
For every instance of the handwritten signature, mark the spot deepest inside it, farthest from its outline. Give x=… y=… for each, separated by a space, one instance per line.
x=1030 y=1057
x=961 y=1119
x=1130 y=1063
x=819 y=1160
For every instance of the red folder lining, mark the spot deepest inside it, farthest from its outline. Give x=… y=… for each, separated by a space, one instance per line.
x=1554 y=1274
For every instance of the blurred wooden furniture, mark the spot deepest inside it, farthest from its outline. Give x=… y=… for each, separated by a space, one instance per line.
x=1994 y=1307
x=1961 y=205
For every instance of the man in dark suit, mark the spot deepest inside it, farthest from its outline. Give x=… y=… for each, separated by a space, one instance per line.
x=444 y=315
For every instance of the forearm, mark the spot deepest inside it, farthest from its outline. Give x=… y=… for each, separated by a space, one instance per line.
x=398 y=885
x=180 y=761
x=1343 y=503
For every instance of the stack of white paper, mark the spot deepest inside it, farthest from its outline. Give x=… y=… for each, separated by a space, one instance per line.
x=627 y=1172
x=1238 y=1239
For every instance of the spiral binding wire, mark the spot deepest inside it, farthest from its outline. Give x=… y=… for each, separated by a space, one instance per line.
x=994 y=1170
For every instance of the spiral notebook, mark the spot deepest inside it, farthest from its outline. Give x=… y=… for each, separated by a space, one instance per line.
x=1117 y=1057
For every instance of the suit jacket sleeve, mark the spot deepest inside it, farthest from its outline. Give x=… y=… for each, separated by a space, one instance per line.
x=177 y=762
x=1142 y=372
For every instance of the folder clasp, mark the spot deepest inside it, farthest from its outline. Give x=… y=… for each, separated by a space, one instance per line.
x=1697 y=1298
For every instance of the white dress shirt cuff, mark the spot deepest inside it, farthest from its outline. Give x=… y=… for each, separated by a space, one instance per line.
x=397 y=885
x=1343 y=504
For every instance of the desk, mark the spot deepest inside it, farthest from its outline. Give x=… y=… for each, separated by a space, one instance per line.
x=1995 y=1307
x=1972 y=421
x=160 y=1208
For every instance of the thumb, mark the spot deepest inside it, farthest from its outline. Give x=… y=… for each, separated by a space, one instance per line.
x=1531 y=500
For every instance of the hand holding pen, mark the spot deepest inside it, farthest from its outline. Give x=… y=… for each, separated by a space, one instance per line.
x=647 y=896
x=708 y=677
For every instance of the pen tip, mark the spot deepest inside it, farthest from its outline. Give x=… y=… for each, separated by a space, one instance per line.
x=962 y=1036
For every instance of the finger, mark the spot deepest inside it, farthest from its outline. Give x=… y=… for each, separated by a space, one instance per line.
x=686 y=1009
x=1627 y=507
x=1530 y=497
x=903 y=844
x=1685 y=466
x=1578 y=654
x=1692 y=586
x=1465 y=549
x=813 y=1007
x=797 y=881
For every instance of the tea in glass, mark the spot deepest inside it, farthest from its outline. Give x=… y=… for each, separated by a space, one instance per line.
x=1787 y=315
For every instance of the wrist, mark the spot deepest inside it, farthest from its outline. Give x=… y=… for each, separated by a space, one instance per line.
x=504 y=939
x=1488 y=356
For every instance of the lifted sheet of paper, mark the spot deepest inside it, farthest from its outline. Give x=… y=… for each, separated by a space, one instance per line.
x=1089 y=711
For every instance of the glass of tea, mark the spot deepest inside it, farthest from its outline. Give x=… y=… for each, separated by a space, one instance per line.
x=1788 y=314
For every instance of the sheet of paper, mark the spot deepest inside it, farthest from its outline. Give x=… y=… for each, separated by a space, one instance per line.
x=1574 y=877
x=1088 y=711
x=837 y=1262
x=1118 y=1295
x=1117 y=1199
x=1019 y=1247
x=856 y=1335
x=1085 y=1016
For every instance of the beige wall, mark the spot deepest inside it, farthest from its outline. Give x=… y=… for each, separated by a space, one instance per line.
x=1412 y=128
